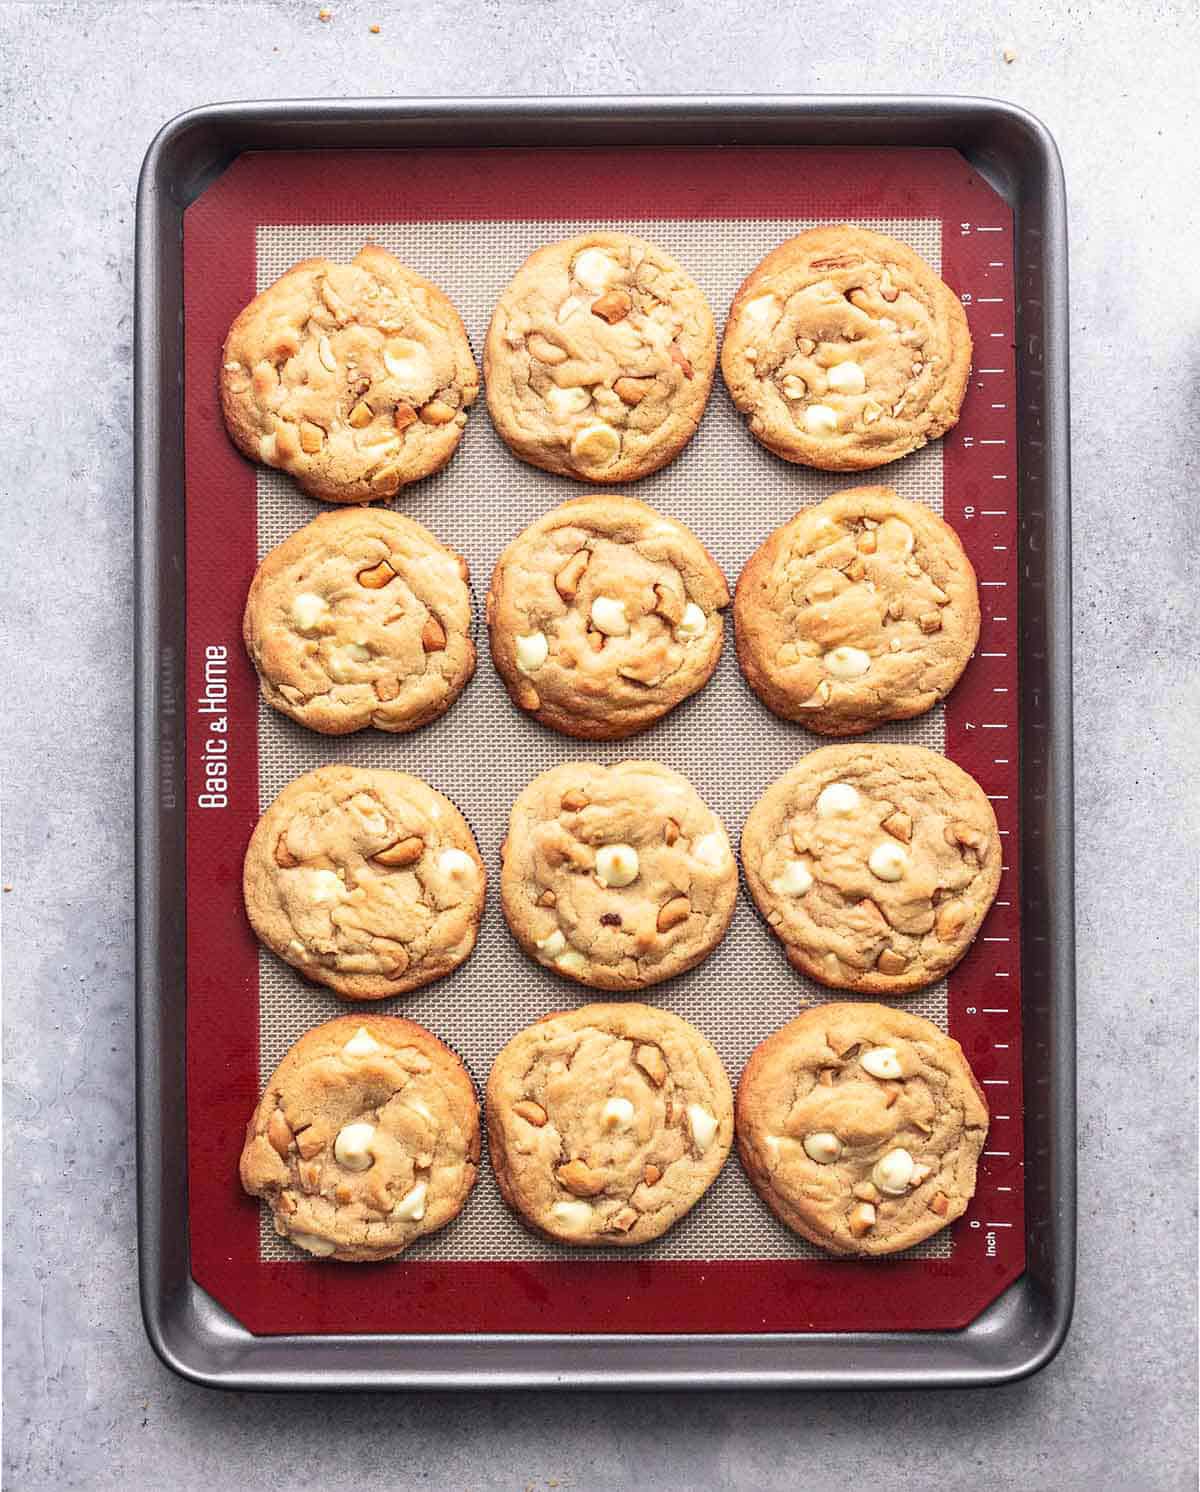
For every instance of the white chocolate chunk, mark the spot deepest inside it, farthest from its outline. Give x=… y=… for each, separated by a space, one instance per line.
x=411 y=1207
x=322 y=887
x=361 y=1044
x=881 y=1062
x=572 y=1217
x=409 y=362
x=608 y=616
x=847 y=378
x=570 y=307
x=888 y=861
x=920 y=1172
x=352 y=1148
x=456 y=864
x=297 y=949
x=617 y=1113
x=763 y=311
x=819 y=419
x=847 y=662
x=267 y=451
x=532 y=651
x=595 y=270
x=572 y=961
x=711 y=849
x=311 y=1244
x=325 y=353
x=419 y=1108
x=703 y=1126
x=692 y=624
x=794 y=880
x=307 y=610
x=616 y=864
x=837 y=801
x=553 y=945
x=893 y=1172
x=823 y=1147
x=563 y=403
x=596 y=444
x=897 y=533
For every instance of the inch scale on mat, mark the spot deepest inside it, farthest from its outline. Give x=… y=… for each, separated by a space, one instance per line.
x=981 y=724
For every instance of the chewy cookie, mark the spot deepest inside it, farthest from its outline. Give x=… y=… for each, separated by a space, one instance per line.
x=846 y=350
x=604 y=615
x=617 y=877
x=600 y=358
x=874 y=865
x=365 y=880
x=607 y=1123
x=353 y=378
x=861 y=1126
x=366 y=1138
x=361 y=618
x=859 y=610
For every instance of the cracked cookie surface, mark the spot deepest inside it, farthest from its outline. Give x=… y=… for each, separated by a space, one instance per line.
x=861 y=1127
x=607 y=1123
x=600 y=357
x=616 y=877
x=365 y=1139
x=846 y=350
x=354 y=378
x=874 y=865
x=603 y=615
x=365 y=880
x=361 y=618
x=859 y=610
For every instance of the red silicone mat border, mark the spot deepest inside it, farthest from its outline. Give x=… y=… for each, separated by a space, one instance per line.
x=576 y=1296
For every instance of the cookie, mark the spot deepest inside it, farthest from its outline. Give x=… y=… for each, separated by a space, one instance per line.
x=846 y=350
x=616 y=877
x=874 y=865
x=361 y=618
x=859 y=610
x=607 y=1123
x=353 y=378
x=604 y=615
x=861 y=1126
x=366 y=1139
x=365 y=880
x=599 y=359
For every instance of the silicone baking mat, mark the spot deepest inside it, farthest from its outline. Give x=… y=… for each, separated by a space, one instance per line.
x=467 y=219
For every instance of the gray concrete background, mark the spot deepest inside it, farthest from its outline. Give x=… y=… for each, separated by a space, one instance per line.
x=82 y=89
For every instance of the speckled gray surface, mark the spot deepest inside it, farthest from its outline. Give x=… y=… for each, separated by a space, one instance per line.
x=82 y=89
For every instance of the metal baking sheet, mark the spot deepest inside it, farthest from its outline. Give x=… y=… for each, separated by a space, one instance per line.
x=728 y=1270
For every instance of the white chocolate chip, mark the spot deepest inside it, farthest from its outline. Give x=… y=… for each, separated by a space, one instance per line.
x=563 y=403
x=411 y=1207
x=794 y=880
x=572 y=961
x=819 y=419
x=837 y=801
x=616 y=864
x=307 y=611
x=361 y=1044
x=881 y=1062
x=893 y=1172
x=888 y=861
x=608 y=616
x=703 y=1126
x=311 y=1244
x=572 y=1217
x=595 y=270
x=322 y=886
x=553 y=945
x=596 y=444
x=617 y=1113
x=847 y=662
x=352 y=1148
x=762 y=310
x=409 y=362
x=692 y=624
x=456 y=864
x=847 y=378
x=822 y=1147
x=711 y=849
x=325 y=352
x=532 y=651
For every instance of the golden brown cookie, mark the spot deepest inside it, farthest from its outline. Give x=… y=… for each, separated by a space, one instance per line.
x=617 y=877
x=366 y=1139
x=353 y=378
x=874 y=865
x=859 y=610
x=603 y=615
x=861 y=1126
x=366 y=880
x=607 y=1123
x=600 y=358
x=846 y=350
x=361 y=618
